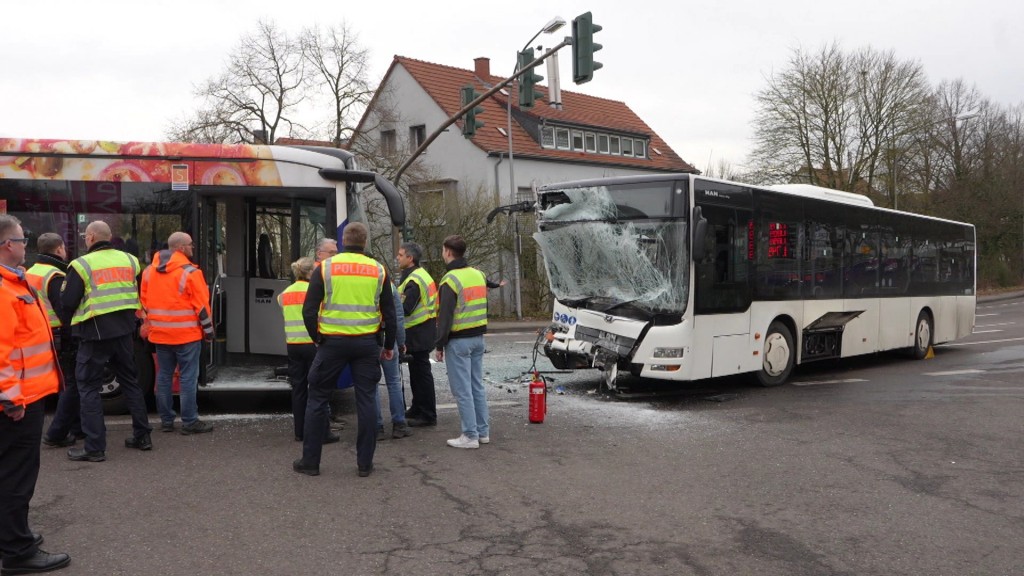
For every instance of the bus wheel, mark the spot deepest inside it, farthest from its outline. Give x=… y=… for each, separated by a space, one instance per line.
x=778 y=356
x=112 y=394
x=922 y=335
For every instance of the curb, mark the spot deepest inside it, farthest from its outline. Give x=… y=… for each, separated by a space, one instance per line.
x=1001 y=296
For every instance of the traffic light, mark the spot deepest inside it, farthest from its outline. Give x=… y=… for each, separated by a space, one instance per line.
x=583 y=48
x=528 y=80
x=469 y=121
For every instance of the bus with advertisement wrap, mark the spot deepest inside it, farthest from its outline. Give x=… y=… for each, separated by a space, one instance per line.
x=680 y=277
x=251 y=210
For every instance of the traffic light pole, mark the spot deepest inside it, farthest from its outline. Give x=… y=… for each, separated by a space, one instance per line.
x=494 y=89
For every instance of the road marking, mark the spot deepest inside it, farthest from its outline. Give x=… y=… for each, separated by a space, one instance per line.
x=985 y=331
x=980 y=342
x=525 y=342
x=498 y=403
x=991 y=325
x=821 y=382
x=954 y=373
x=980 y=315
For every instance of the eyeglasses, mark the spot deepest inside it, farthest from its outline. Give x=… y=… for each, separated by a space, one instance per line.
x=20 y=240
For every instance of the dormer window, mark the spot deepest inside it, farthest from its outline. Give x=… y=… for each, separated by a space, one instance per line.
x=558 y=138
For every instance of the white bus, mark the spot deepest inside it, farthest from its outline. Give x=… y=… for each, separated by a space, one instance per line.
x=681 y=277
x=251 y=211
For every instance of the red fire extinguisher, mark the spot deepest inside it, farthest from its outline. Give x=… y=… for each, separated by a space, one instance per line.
x=538 y=399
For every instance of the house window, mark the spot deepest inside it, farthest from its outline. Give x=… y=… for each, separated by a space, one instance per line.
x=627 y=146
x=562 y=139
x=613 y=145
x=639 y=148
x=547 y=137
x=602 y=143
x=417 y=134
x=577 y=140
x=388 y=142
x=590 y=140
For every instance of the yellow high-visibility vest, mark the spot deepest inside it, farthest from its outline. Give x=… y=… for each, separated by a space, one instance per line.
x=426 y=308
x=352 y=288
x=39 y=276
x=470 y=287
x=291 y=301
x=109 y=276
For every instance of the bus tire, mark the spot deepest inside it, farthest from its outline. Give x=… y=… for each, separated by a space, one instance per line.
x=778 y=356
x=924 y=335
x=112 y=393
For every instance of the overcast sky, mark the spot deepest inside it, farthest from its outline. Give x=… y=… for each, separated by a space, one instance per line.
x=122 y=70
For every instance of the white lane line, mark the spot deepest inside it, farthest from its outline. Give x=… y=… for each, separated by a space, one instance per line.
x=996 y=324
x=524 y=342
x=954 y=373
x=822 y=382
x=985 y=331
x=980 y=315
x=498 y=403
x=980 y=342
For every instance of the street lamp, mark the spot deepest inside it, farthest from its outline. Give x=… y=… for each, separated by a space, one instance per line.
x=964 y=116
x=552 y=25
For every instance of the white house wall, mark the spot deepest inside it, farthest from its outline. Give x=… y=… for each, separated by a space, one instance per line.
x=453 y=156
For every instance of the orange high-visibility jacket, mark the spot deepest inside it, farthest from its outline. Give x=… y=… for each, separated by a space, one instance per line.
x=176 y=300
x=28 y=365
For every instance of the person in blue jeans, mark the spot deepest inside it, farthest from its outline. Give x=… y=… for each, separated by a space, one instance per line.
x=461 y=325
x=393 y=380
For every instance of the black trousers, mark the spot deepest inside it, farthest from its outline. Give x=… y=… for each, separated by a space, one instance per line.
x=421 y=382
x=93 y=357
x=300 y=359
x=67 y=418
x=362 y=354
x=19 y=469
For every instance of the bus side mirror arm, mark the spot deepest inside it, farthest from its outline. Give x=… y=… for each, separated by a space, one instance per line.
x=700 y=229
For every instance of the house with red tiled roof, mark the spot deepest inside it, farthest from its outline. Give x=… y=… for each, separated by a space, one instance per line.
x=580 y=137
x=585 y=137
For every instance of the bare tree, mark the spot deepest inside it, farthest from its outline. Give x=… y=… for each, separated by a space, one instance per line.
x=259 y=92
x=831 y=118
x=341 y=76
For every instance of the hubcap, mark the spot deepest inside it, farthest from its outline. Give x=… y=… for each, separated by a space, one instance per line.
x=924 y=334
x=776 y=354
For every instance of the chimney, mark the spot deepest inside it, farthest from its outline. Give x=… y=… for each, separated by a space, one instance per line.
x=482 y=68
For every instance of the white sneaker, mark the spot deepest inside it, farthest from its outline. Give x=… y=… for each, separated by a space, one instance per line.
x=464 y=441
x=485 y=439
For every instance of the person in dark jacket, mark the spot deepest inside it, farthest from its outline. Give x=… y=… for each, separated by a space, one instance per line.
x=348 y=301
x=419 y=299
x=461 y=325
x=50 y=268
x=100 y=301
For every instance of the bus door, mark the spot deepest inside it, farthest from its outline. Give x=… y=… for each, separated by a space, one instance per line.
x=249 y=244
x=722 y=291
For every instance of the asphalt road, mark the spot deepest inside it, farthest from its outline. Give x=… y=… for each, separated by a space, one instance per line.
x=880 y=465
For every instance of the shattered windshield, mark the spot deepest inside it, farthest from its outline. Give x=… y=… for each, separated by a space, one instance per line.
x=606 y=248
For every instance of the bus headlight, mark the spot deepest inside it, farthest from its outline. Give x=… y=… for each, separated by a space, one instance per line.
x=668 y=353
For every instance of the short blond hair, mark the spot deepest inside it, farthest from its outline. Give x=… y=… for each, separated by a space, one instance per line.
x=303 y=268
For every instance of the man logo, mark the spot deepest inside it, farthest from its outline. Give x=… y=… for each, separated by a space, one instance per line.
x=609 y=318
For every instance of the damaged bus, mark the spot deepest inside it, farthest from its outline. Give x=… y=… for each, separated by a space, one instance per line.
x=251 y=210
x=681 y=277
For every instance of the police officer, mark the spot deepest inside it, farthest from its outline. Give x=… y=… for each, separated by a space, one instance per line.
x=301 y=350
x=348 y=297
x=47 y=277
x=28 y=373
x=102 y=292
x=419 y=302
